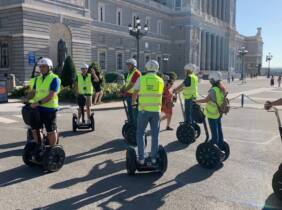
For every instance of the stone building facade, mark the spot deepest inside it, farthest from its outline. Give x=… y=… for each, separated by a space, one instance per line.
x=202 y=32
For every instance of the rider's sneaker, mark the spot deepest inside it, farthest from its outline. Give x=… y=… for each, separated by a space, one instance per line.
x=141 y=162
x=154 y=161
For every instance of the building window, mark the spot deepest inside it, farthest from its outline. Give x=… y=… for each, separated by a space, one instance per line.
x=119 y=61
x=147 y=58
x=159 y=27
x=119 y=16
x=4 y=55
x=101 y=12
x=178 y=4
x=102 y=59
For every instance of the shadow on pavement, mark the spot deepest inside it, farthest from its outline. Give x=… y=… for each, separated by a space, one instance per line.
x=11 y=153
x=175 y=146
x=109 y=147
x=12 y=145
x=19 y=174
x=272 y=203
x=116 y=188
x=100 y=170
x=65 y=134
x=121 y=191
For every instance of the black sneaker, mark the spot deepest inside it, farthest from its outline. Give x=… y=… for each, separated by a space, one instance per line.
x=169 y=128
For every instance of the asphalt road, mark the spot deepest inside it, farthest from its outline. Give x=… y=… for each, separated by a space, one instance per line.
x=94 y=175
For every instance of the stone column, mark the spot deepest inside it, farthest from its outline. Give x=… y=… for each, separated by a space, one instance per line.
x=203 y=50
x=218 y=53
x=215 y=8
x=213 y=63
x=224 y=10
x=222 y=53
x=208 y=52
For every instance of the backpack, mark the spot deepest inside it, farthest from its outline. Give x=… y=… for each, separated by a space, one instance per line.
x=224 y=108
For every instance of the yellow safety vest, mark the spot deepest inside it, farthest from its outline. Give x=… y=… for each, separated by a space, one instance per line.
x=192 y=91
x=151 y=92
x=129 y=78
x=43 y=90
x=31 y=83
x=211 y=109
x=84 y=85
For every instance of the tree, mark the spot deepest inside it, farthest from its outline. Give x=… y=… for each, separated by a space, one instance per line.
x=69 y=73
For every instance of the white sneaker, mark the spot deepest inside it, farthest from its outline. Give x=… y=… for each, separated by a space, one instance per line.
x=141 y=162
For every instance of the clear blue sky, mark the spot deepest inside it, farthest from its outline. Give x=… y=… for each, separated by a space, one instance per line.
x=268 y=15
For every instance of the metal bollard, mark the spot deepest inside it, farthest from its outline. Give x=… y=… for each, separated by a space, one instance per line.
x=242 y=100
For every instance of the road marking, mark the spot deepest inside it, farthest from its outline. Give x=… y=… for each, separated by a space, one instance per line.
x=6 y=120
x=257 y=143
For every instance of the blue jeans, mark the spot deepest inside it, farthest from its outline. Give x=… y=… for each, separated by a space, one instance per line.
x=132 y=111
x=143 y=119
x=188 y=111
x=216 y=131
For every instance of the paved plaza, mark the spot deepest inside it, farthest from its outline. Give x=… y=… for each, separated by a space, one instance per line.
x=94 y=175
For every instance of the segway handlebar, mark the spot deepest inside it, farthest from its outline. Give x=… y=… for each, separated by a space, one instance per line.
x=276 y=111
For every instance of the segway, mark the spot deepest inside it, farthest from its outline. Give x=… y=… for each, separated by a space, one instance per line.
x=208 y=154
x=187 y=133
x=132 y=164
x=277 y=177
x=51 y=158
x=129 y=128
x=75 y=125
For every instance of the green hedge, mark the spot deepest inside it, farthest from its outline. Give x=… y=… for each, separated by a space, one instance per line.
x=114 y=77
x=19 y=92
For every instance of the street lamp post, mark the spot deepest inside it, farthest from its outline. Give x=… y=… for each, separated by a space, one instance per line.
x=136 y=31
x=242 y=52
x=268 y=59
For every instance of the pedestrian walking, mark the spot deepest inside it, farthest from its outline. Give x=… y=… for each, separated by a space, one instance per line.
x=279 y=81
x=272 y=81
x=167 y=104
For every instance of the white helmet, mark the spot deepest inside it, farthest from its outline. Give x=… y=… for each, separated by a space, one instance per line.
x=84 y=66
x=152 y=65
x=191 y=67
x=215 y=76
x=131 y=61
x=45 y=61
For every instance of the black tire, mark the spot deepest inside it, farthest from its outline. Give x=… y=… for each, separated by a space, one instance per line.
x=280 y=167
x=131 y=136
x=92 y=122
x=27 y=153
x=226 y=149
x=277 y=184
x=208 y=156
x=162 y=159
x=74 y=123
x=124 y=129
x=131 y=159
x=54 y=158
x=29 y=135
x=197 y=130
x=185 y=133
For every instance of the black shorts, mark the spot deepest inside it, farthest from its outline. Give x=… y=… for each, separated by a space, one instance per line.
x=47 y=119
x=97 y=87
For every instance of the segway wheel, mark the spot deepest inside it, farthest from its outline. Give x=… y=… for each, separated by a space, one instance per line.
x=280 y=167
x=92 y=122
x=277 y=184
x=124 y=129
x=197 y=130
x=185 y=134
x=27 y=153
x=226 y=149
x=131 y=159
x=74 y=123
x=29 y=135
x=208 y=156
x=162 y=159
x=131 y=136
x=54 y=158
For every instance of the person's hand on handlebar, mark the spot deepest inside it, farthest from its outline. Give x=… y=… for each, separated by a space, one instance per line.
x=34 y=105
x=267 y=105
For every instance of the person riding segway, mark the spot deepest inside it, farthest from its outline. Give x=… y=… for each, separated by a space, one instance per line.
x=84 y=89
x=277 y=177
x=214 y=151
x=150 y=88
x=129 y=128
x=188 y=131
x=44 y=149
